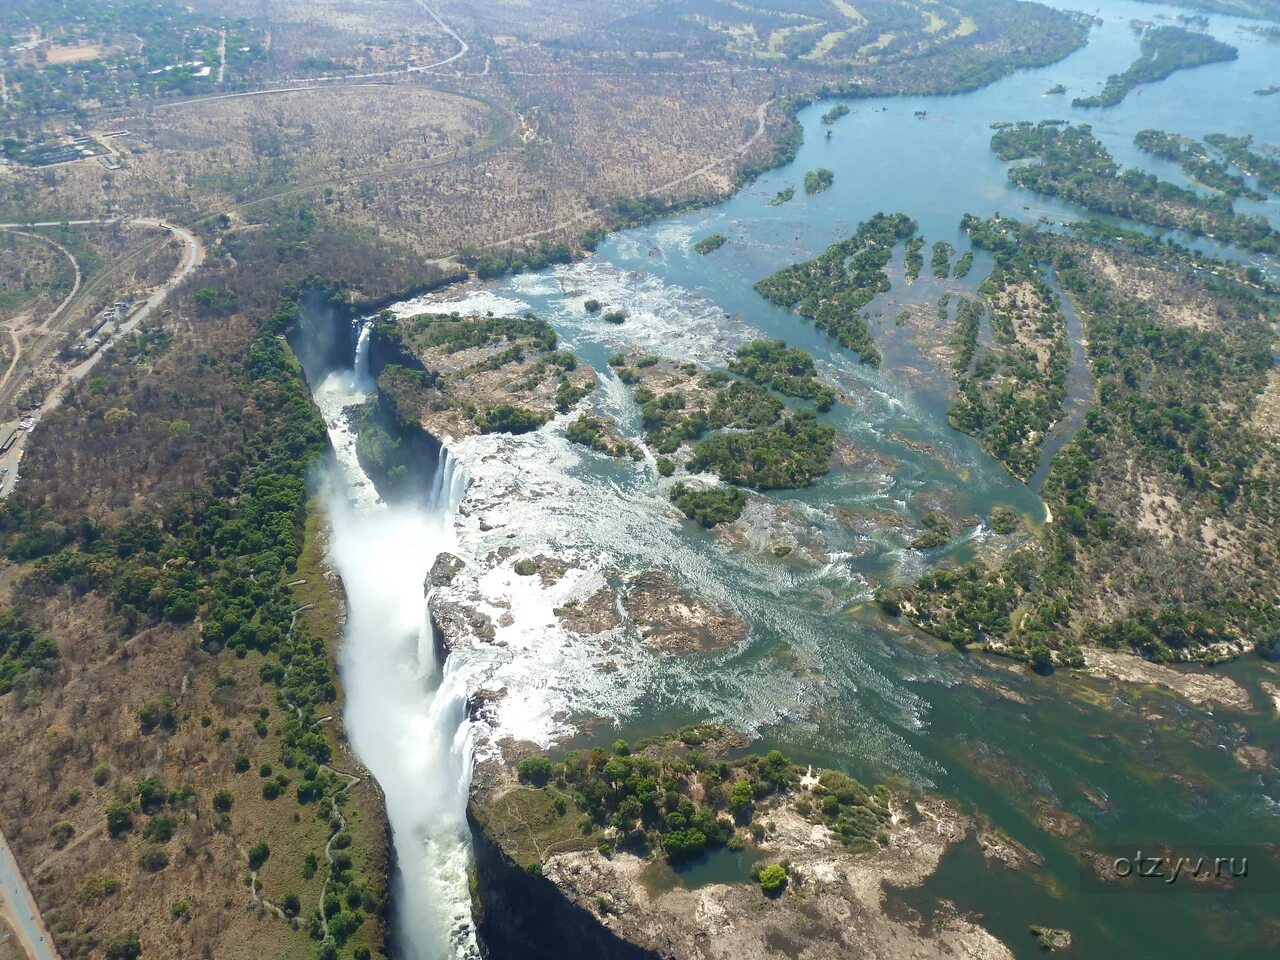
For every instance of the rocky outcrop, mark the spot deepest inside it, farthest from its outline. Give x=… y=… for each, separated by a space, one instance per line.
x=583 y=905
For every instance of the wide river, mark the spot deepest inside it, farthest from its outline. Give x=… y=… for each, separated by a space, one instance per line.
x=823 y=676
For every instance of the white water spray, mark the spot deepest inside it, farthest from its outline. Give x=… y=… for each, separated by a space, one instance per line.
x=406 y=716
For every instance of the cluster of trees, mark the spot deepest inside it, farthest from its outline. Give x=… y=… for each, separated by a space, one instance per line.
x=1165 y=50
x=832 y=289
x=709 y=506
x=835 y=113
x=1074 y=166
x=666 y=795
x=790 y=371
x=914 y=259
x=600 y=435
x=509 y=418
x=710 y=244
x=488 y=266
x=815 y=181
x=1195 y=161
x=940 y=262
x=1008 y=398
x=1236 y=149
x=793 y=453
x=26 y=656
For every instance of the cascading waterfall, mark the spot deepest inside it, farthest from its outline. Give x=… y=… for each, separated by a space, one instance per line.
x=406 y=714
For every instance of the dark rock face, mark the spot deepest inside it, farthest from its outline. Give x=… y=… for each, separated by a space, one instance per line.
x=520 y=916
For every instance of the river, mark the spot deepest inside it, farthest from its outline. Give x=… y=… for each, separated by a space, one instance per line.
x=822 y=675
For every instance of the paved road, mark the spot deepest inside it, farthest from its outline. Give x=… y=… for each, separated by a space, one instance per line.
x=18 y=908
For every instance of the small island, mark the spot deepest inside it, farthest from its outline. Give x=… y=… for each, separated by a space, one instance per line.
x=710 y=244
x=1165 y=50
x=1056 y=90
x=834 y=114
x=815 y=181
x=783 y=196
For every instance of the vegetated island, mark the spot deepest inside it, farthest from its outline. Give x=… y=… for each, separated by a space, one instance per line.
x=586 y=848
x=734 y=424
x=1074 y=166
x=710 y=244
x=832 y=289
x=1195 y=162
x=815 y=181
x=1236 y=150
x=1164 y=505
x=1165 y=50
x=784 y=195
x=1056 y=90
x=835 y=113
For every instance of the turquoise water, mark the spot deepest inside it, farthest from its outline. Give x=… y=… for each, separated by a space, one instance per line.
x=823 y=675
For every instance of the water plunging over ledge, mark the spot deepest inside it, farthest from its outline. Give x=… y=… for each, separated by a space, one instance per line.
x=405 y=711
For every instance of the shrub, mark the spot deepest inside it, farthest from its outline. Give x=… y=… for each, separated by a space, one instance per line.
x=160 y=828
x=773 y=879
x=258 y=854
x=122 y=946
x=592 y=306
x=180 y=910
x=153 y=858
x=222 y=801
x=119 y=819
x=242 y=763
x=291 y=905
x=100 y=774
x=61 y=833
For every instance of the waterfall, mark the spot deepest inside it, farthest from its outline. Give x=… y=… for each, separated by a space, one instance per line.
x=405 y=713
x=360 y=364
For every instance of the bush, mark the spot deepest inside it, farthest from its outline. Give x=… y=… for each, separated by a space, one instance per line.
x=592 y=306
x=122 y=946
x=160 y=828
x=222 y=801
x=180 y=910
x=773 y=879
x=242 y=763
x=100 y=774
x=119 y=819
x=291 y=905
x=616 y=317
x=153 y=858
x=666 y=466
x=61 y=833
x=258 y=854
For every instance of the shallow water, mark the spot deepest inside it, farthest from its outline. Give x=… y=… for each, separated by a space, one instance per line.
x=823 y=675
